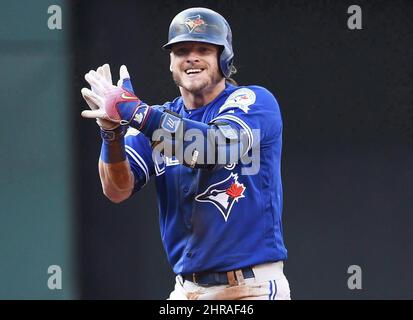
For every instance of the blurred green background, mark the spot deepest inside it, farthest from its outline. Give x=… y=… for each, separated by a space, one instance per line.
x=35 y=170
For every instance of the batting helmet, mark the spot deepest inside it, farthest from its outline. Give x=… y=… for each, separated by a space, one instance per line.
x=203 y=25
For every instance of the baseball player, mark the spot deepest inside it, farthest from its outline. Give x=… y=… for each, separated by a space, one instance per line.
x=215 y=153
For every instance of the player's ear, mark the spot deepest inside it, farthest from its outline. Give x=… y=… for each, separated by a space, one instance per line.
x=171 y=58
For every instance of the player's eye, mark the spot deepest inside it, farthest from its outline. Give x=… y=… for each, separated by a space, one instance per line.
x=181 y=51
x=204 y=50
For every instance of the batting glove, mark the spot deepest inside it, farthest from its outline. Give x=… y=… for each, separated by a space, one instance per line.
x=116 y=103
x=93 y=100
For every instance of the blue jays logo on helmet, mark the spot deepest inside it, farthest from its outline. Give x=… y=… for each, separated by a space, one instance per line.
x=223 y=194
x=195 y=24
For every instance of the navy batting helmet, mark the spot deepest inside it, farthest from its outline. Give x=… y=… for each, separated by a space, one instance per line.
x=203 y=25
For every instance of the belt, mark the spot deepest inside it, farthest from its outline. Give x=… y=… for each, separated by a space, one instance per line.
x=217 y=278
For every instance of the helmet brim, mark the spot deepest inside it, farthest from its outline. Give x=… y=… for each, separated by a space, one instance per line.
x=192 y=38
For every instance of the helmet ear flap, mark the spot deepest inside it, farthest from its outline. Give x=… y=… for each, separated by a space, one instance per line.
x=226 y=62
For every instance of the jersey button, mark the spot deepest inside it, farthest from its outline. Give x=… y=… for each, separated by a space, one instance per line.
x=186 y=189
x=189 y=254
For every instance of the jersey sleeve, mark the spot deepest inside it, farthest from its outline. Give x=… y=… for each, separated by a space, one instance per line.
x=255 y=112
x=139 y=153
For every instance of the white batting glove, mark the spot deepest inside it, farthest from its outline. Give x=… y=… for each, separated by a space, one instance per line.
x=94 y=97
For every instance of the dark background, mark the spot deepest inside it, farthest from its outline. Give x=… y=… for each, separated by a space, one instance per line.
x=347 y=107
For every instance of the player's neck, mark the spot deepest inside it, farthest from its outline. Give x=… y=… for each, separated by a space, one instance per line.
x=199 y=99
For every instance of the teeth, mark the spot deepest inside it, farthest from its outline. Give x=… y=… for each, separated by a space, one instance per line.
x=190 y=71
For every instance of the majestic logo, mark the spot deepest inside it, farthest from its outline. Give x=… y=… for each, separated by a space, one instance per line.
x=223 y=194
x=195 y=24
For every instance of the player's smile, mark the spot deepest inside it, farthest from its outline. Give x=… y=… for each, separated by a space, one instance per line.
x=194 y=71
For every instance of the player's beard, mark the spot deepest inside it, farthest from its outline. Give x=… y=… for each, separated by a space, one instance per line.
x=197 y=86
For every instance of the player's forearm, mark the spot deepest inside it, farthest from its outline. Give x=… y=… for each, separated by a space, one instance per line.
x=117 y=180
x=194 y=144
x=114 y=169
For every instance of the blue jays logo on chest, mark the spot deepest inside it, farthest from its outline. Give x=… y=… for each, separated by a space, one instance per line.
x=223 y=194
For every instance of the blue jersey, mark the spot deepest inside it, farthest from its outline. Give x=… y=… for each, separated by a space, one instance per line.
x=222 y=219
